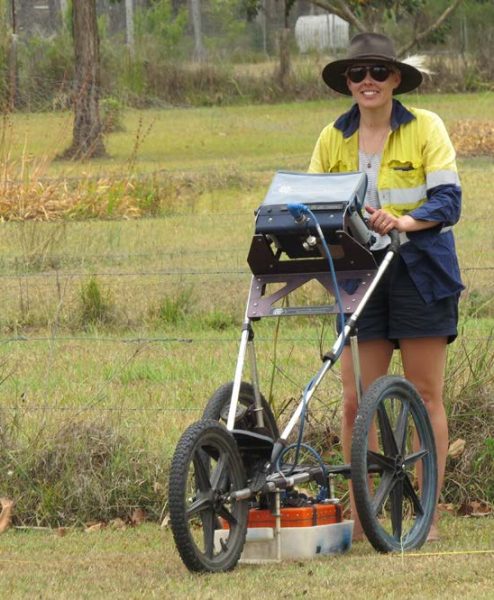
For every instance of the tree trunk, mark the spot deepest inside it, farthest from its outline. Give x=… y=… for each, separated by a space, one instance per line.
x=87 y=139
x=63 y=10
x=196 y=18
x=12 y=58
x=285 y=58
x=129 y=25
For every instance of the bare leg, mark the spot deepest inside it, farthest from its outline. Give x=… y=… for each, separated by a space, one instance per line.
x=375 y=356
x=424 y=362
x=6 y=514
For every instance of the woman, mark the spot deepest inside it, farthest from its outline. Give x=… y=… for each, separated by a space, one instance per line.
x=413 y=187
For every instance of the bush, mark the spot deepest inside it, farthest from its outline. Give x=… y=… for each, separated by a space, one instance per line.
x=85 y=472
x=46 y=72
x=173 y=309
x=96 y=306
x=111 y=115
x=469 y=393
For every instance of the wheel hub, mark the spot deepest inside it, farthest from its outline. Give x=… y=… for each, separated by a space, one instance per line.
x=399 y=467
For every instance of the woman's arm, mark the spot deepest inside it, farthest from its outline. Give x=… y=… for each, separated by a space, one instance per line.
x=382 y=222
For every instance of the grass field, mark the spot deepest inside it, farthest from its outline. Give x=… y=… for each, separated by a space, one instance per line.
x=142 y=563
x=167 y=296
x=242 y=139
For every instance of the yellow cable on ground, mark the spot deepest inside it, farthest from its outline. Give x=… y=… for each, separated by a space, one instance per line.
x=445 y=553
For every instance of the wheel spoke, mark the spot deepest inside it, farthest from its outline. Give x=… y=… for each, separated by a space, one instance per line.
x=208 y=527
x=410 y=493
x=387 y=434
x=198 y=506
x=397 y=508
x=201 y=466
x=401 y=427
x=411 y=459
x=220 y=474
x=387 y=483
x=227 y=515
x=382 y=461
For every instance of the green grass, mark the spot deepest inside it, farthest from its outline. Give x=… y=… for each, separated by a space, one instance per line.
x=143 y=563
x=239 y=139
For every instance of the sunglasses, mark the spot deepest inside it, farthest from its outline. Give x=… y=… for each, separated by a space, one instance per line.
x=377 y=73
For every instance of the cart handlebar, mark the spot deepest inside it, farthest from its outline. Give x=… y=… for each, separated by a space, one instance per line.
x=395 y=240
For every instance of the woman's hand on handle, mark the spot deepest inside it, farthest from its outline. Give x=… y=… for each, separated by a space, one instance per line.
x=382 y=222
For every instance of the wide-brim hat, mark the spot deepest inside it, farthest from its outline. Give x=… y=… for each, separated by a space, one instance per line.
x=365 y=49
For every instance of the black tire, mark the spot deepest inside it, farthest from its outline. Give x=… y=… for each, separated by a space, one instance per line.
x=219 y=403
x=395 y=514
x=206 y=467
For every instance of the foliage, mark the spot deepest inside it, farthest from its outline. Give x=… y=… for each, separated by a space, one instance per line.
x=82 y=472
x=418 y=20
x=111 y=115
x=162 y=23
x=96 y=305
x=158 y=73
x=174 y=308
x=469 y=392
x=224 y=27
x=47 y=73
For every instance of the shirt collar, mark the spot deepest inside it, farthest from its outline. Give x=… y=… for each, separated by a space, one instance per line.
x=349 y=122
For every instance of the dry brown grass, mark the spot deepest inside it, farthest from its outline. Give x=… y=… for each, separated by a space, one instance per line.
x=25 y=194
x=473 y=137
x=46 y=201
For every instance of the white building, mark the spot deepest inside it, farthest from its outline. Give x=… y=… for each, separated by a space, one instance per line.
x=321 y=32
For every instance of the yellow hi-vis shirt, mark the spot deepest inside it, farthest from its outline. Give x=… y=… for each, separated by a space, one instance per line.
x=417 y=176
x=417 y=156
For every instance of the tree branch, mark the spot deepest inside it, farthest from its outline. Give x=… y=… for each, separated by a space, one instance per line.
x=341 y=9
x=423 y=34
x=350 y=16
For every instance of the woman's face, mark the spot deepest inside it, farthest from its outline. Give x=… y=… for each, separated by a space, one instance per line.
x=371 y=93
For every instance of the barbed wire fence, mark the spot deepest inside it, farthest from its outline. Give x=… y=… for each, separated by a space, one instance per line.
x=144 y=280
x=143 y=379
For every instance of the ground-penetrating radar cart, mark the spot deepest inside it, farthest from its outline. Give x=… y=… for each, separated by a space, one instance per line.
x=232 y=491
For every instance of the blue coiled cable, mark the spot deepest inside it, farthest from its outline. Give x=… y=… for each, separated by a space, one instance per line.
x=301 y=213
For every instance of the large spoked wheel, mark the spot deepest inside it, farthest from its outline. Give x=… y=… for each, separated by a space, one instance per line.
x=208 y=526
x=218 y=406
x=394 y=470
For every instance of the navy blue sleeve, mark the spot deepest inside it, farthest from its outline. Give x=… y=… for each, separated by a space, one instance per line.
x=443 y=205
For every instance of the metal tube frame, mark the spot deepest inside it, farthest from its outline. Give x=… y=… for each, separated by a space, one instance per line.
x=246 y=342
x=246 y=345
x=338 y=346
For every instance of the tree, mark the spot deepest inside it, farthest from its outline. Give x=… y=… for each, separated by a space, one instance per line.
x=87 y=137
x=129 y=25
x=196 y=18
x=285 y=66
x=12 y=69
x=370 y=15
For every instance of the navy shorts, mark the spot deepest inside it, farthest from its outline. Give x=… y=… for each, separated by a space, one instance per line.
x=397 y=311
